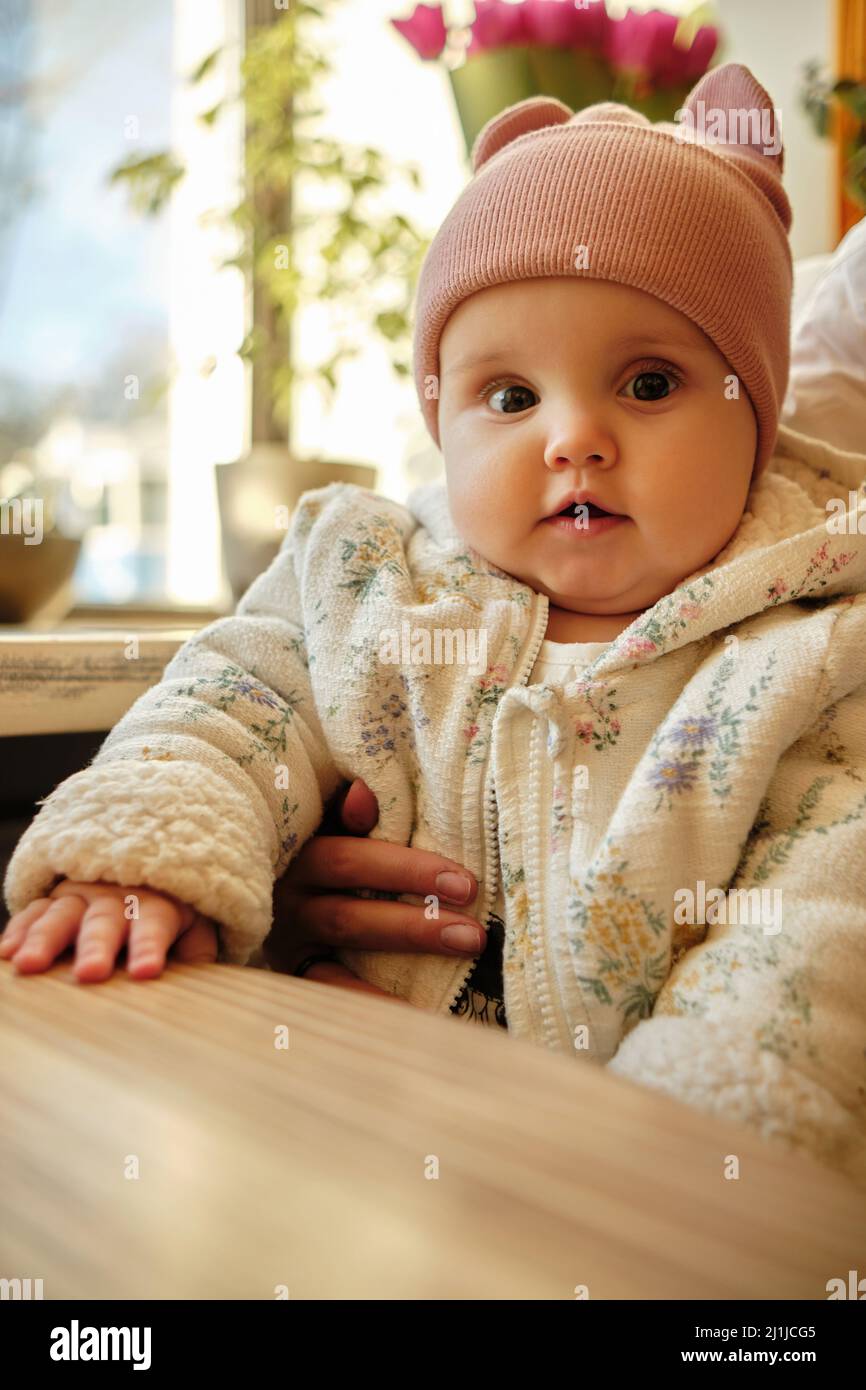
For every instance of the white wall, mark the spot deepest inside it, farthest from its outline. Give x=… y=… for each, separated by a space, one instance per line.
x=774 y=38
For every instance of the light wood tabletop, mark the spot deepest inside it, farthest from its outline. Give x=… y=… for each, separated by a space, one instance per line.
x=161 y=1143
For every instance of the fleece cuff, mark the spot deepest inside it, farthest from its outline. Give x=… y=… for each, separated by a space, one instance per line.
x=175 y=826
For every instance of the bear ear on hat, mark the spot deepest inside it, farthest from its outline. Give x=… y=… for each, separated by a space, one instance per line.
x=532 y=114
x=737 y=119
x=732 y=88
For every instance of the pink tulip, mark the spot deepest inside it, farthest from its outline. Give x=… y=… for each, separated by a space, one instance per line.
x=496 y=25
x=643 y=43
x=639 y=43
x=425 y=30
x=560 y=24
x=688 y=64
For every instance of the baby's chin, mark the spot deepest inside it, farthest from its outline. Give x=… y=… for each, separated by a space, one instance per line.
x=604 y=600
x=636 y=591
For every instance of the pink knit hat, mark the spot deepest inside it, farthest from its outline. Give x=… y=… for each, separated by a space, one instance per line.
x=692 y=211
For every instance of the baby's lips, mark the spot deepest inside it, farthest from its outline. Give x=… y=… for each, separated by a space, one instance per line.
x=576 y=498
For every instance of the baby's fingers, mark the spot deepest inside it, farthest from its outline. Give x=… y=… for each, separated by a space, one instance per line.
x=18 y=925
x=158 y=924
x=103 y=932
x=47 y=932
x=199 y=944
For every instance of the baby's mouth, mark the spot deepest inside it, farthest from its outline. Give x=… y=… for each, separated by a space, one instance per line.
x=584 y=519
x=591 y=508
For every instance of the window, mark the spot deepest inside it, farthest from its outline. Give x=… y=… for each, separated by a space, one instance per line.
x=119 y=387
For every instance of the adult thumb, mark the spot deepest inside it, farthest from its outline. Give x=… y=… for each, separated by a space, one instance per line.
x=360 y=809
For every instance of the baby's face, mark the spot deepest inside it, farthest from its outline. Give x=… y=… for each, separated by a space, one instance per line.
x=596 y=386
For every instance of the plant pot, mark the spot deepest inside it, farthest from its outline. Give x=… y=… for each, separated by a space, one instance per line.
x=36 y=580
x=250 y=490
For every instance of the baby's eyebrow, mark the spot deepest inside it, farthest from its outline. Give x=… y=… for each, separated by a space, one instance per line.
x=476 y=359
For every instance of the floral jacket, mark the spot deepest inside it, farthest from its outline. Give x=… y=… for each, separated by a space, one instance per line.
x=686 y=905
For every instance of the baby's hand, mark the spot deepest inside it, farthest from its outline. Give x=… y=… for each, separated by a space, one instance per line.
x=102 y=916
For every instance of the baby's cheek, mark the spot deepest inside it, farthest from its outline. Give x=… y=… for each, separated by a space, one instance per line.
x=471 y=509
x=461 y=515
x=676 y=538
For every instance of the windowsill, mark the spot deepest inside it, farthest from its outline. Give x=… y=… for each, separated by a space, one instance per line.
x=111 y=615
x=82 y=674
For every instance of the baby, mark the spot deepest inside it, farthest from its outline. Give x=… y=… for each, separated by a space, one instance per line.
x=657 y=773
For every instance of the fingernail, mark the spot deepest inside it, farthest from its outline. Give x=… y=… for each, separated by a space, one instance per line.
x=456 y=887
x=461 y=938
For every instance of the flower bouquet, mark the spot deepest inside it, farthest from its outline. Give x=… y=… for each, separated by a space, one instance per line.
x=570 y=49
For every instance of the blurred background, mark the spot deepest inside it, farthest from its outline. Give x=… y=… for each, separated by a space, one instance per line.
x=211 y=221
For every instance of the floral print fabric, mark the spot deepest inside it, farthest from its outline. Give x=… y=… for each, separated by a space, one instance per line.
x=482 y=999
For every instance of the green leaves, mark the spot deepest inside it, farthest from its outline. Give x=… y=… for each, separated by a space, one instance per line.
x=853 y=96
x=347 y=248
x=855 y=172
x=149 y=181
x=205 y=66
x=817 y=97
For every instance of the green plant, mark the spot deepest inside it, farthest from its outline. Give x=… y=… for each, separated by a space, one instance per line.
x=347 y=255
x=818 y=96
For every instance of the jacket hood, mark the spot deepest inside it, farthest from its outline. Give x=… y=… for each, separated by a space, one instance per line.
x=782 y=551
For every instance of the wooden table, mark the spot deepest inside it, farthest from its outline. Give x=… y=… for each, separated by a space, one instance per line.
x=307 y=1166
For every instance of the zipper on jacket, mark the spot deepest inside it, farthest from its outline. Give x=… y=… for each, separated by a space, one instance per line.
x=489 y=837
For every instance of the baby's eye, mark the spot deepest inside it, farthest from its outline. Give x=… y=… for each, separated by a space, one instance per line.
x=653 y=384
x=518 y=403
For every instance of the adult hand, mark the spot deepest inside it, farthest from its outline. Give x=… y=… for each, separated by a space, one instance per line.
x=312 y=912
